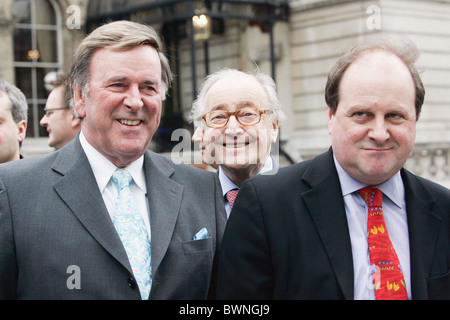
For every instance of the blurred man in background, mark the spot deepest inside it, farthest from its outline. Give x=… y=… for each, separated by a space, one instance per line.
x=60 y=120
x=13 y=121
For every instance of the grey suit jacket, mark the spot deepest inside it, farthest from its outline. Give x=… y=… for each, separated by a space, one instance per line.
x=57 y=240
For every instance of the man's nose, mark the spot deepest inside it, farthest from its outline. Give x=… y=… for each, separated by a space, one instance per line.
x=197 y=137
x=379 y=130
x=233 y=126
x=133 y=99
x=44 y=121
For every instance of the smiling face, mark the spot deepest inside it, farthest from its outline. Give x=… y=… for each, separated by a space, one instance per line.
x=235 y=146
x=374 y=127
x=122 y=109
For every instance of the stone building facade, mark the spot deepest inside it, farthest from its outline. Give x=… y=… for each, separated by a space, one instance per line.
x=305 y=46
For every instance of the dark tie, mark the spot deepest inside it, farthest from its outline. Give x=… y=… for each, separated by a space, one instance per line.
x=231 y=196
x=385 y=267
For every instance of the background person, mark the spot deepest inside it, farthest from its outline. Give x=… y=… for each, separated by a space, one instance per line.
x=13 y=121
x=60 y=120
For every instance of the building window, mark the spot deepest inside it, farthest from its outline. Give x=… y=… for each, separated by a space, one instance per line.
x=36 y=54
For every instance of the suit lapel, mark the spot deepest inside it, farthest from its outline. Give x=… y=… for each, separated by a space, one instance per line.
x=164 y=197
x=78 y=189
x=330 y=218
x=423 y=228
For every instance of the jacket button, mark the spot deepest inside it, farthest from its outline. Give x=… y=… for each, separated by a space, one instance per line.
x=131 y=282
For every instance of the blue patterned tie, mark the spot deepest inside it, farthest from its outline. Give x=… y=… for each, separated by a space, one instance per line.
x=132 y=231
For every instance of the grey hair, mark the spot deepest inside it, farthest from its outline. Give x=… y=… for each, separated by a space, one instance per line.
x=19 y=106
x=120 y=36
x=269 y=86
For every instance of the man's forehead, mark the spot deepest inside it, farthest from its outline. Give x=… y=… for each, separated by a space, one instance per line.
x=243 y=80
x=5 y=103
x=379 y=60
x=234 y=105
x=5 y=107
x=236 y=91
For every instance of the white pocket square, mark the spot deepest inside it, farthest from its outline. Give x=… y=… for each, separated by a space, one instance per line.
x=202 y=234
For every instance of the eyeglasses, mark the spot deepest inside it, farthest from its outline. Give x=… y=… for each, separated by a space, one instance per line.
x=246 y=116
x=48 y=111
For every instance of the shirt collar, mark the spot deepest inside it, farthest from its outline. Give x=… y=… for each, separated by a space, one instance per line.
x=268 y=165
x=392 y=188
x=103 y=168
x=225 y=182
x=228 y=185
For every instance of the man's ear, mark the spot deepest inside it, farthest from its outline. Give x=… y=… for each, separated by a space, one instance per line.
x=275 y=126
x=79 y=100
x=22 y=127
x=330 y=120
x=76 y=121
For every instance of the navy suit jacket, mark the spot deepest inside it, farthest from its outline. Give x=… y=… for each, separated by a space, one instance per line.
x=288 y=237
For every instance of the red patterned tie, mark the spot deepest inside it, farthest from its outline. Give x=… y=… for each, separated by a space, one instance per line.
x=387 y=272
x=231 y=196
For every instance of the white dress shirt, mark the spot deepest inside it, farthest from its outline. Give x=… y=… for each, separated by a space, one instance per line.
x=394 y=212
x=103 y=170
x=228 y=185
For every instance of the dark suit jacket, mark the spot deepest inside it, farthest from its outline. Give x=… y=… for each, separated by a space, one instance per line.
x=288 y=237
x=52 y=216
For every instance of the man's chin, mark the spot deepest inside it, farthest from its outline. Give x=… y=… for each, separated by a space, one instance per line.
x=237 y=158
x=238 y=162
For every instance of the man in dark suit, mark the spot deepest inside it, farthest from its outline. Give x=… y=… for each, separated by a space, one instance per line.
x=303 y=233
x=68 y=232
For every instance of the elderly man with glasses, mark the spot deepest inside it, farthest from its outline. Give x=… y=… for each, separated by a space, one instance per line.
x=239 y=114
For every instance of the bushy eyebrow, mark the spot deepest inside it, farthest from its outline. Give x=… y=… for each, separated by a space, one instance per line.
x=116 y=79
x=125 y=79
x=151 y=82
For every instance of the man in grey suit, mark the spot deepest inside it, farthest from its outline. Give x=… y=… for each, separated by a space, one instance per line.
x=58 y=237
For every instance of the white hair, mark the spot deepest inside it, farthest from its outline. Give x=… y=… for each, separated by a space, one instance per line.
x=269 y=86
